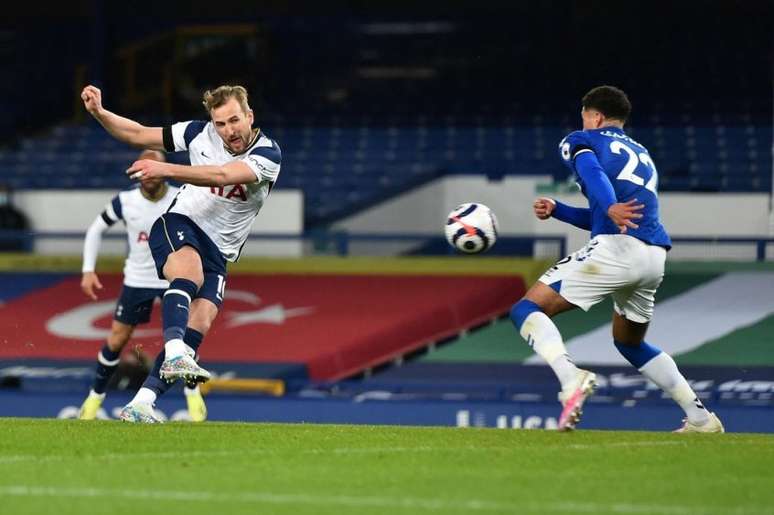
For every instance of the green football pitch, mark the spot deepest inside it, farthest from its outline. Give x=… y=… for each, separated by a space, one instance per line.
x=64 y=467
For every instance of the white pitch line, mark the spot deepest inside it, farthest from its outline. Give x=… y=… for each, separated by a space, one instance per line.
x=429 y=504
x=17 y=458
x=210 y=454
x=261 y=497
x=627 y=444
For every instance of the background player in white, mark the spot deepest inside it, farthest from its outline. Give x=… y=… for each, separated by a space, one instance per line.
x=233 y=168
x=624 y=259
x=138 y=208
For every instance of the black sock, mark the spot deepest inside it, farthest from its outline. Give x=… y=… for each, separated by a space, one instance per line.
x=107 y=363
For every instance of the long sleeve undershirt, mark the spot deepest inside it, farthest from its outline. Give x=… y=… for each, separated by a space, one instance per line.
x=92 y=242
x=580 y=217
x=599 y=190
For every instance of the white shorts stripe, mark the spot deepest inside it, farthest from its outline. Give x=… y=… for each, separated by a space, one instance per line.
x=178 y=292
x=166 y=233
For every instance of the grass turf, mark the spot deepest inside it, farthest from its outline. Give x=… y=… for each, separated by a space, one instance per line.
x=63 y=467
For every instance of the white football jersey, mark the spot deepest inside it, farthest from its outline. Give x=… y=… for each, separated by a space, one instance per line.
x=139 y=213
x=224 y=213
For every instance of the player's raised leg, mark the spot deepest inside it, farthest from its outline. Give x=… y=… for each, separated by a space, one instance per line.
x=183 y=270
x=532 y=318
x=659 y=367
x=107 y=363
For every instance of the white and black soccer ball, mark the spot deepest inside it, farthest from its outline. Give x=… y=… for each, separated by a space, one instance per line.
x=471 y=228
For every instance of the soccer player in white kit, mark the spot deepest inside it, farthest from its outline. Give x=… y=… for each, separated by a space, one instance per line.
x=624 y=260
x=138 y=208
x=233 y=168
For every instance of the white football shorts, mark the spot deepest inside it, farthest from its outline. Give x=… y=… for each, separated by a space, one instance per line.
x=622 y=266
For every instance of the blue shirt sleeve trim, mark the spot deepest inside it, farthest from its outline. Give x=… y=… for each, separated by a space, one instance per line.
x=116 y=204
x=273 y=153
x=192 y=130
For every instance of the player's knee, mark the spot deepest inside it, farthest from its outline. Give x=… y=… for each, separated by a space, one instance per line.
x=521 y=310
x=184 y=265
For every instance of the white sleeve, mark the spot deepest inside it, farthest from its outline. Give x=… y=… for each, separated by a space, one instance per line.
x=264 y=169
x=265 y=162
x=184 y=132
x=92 y=242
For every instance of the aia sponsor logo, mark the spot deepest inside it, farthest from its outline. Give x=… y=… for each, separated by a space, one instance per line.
x=142 y=237
x=237 y=190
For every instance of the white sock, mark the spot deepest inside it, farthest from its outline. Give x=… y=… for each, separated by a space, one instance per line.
x=191 y=391
x=543 y=336
x=663 y=371
x=174 y=348
x=144 y=396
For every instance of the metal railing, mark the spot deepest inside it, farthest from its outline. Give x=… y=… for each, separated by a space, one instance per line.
x=323 y=241
x=341 y=242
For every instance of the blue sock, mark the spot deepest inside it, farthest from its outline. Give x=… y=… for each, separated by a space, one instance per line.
x=193 y=339
x=175 y=308
x=638 y=355
x=107 y=363
x=521 y=310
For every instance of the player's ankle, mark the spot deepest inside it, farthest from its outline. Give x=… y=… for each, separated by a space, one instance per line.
x=174 y=348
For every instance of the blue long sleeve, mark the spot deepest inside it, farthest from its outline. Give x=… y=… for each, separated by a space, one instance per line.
x=580 y=217
x=598 y=187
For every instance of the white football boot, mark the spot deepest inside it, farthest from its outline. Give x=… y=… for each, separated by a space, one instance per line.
x=713 y=425
x=572 y=399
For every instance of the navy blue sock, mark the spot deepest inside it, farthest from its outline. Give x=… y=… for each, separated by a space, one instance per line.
x=638 y=355
x=107 y=363
x=175 y=308
x=193 y=339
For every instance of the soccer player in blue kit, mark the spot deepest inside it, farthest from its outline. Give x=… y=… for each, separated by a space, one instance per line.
x=624 y=259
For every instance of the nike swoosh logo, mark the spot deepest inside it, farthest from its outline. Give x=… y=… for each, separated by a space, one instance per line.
x=205 y=155
x=184 y=307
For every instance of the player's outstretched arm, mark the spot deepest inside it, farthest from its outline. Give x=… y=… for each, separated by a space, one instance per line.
x=123 y=129
x=546 y=208
x=235 y=172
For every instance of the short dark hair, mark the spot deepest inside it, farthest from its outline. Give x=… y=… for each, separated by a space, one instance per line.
x=608 y=100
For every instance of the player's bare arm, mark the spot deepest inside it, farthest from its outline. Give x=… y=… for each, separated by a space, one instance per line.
x=123 y=129
x=235 y=172
x=543 y=207
x=623 y=213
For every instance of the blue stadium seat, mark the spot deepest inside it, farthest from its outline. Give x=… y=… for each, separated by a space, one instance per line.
x=358 y=165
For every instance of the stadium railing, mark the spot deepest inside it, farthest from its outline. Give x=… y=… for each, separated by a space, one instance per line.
x=346 y=243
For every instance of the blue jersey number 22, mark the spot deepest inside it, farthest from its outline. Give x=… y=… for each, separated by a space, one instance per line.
x=627 y=173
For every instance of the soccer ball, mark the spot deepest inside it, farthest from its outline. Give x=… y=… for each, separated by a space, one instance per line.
x=471 y=228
